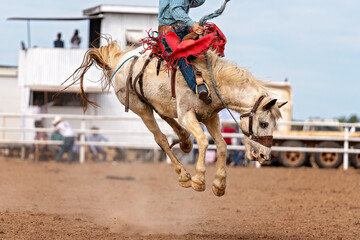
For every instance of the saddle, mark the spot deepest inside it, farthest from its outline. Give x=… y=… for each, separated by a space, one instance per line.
x=191 y=45
x=139 y=80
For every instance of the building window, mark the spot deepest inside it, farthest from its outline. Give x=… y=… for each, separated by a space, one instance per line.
x=65 y=99
x=94 y=33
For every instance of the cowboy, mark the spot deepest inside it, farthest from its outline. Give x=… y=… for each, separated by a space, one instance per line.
x=173 y=17
x=64 y=128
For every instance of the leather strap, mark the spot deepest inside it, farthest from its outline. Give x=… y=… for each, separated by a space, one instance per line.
x=263 y=140
x=128 y=84
x=190 y=36
x=139 y=78
x=173 y=78
x=158 y=66
x=162 y=30
x=251 y=114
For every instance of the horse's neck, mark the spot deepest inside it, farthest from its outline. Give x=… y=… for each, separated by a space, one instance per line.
x=242 y=97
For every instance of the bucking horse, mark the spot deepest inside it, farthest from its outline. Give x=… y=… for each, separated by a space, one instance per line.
x=141 y=87
x=239 y=90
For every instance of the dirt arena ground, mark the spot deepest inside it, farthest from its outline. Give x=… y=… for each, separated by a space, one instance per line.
x=144 y=201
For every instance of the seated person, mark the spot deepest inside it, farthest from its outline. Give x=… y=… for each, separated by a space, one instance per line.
x=38 y=149
x=96 y=150
x=56 y=136
x=238 y=158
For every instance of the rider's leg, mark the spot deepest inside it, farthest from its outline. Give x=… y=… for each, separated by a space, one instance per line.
x=197 y=86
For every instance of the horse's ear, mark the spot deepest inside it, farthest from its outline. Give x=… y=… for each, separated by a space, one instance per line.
x=269 y=104
x=280 y=104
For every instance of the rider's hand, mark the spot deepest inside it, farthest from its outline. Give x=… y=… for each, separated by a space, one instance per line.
x=198 y=29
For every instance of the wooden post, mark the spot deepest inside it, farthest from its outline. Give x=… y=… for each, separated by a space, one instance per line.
x=3 y=124
x=82 y=141
x=346 y=148
x=156 y=155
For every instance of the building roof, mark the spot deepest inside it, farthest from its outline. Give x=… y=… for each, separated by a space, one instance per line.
x=54 y=18
x=8 y=71
x=121 y=9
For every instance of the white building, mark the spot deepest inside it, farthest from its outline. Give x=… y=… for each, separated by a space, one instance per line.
x=9 y=99
x=126 y=24
x=43 y=70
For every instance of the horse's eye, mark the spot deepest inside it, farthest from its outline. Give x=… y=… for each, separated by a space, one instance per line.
x=264 y=124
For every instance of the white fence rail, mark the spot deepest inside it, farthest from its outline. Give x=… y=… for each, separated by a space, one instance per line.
x=152 y=145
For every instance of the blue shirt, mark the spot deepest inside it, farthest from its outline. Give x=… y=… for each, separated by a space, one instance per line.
x=58 y=44
x=172 y=11
x=96 y=138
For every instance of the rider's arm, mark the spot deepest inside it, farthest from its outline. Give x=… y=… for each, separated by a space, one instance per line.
x=179 y=14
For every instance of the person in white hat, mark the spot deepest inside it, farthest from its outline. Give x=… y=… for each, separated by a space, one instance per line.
x=64 y=128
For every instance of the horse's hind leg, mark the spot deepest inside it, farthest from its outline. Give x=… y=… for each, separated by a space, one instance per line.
x=213 y=126
x=184 y=136
x=150 y=122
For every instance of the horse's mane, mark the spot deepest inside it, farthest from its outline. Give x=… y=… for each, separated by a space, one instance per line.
x=227 y=72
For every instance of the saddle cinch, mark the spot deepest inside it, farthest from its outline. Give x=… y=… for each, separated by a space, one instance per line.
x=139 y=80
x=191 y=45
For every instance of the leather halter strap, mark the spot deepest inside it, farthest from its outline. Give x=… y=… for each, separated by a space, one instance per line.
x=263 y=140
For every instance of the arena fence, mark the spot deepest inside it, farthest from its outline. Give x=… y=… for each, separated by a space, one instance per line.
x=83 y=130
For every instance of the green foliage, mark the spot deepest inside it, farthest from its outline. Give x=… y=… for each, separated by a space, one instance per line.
x=351 y=119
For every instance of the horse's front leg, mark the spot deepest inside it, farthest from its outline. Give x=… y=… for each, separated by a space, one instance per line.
x=192 y=124
x=213 y=126
x=148 y=118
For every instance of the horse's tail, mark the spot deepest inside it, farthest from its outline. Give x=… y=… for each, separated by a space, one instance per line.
x=106 y=57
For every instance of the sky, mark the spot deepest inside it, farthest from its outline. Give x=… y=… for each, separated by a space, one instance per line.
x=315 y=44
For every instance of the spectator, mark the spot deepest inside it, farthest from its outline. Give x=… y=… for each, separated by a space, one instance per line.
x=56 y=136
x=58 y=43
x=228 y=128
x=38 y=149
x=238 y=158
x=75 y=40
x=38 y=110
x=95 y=150
x=64 y=128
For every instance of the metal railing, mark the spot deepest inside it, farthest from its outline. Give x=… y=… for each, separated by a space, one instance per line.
x=345 y=138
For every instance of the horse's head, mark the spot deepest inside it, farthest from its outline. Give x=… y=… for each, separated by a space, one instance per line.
x=258 y=126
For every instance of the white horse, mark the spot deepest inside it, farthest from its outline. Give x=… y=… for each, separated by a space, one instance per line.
x=238 y=88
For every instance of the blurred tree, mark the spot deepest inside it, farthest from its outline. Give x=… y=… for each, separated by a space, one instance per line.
x=352 y=119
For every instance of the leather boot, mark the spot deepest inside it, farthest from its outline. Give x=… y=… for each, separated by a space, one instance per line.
x=202 y=90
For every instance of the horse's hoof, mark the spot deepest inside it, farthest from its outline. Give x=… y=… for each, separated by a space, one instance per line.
x=218 y=192
x=198 y=187
x=186 y=146
x=185 y=184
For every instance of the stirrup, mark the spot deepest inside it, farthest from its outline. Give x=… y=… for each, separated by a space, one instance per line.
x=205 y=94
